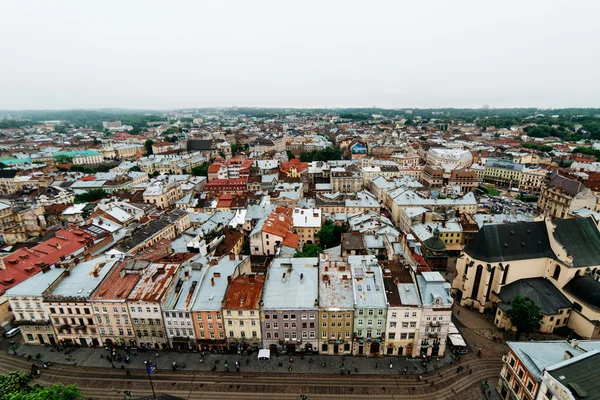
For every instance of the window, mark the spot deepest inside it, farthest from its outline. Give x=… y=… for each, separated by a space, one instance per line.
x=380 y=312
x=312 y=316
x=324 y=335
x=324 y=316
x=268 y=335
x=303 y=316
x=413 y=324
x=370 y=313
x=392 y=335
x=230 y=333
x=392 y=324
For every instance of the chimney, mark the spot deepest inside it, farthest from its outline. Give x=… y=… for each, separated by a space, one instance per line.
x=88 y=257
x=568 y=355
x=240 y=257
x=301 y=277
x=212 y=281
x=229 y=279
x=283 y=277
x=231 y=256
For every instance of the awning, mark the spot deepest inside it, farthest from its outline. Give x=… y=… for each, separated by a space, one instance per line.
x=457 y=340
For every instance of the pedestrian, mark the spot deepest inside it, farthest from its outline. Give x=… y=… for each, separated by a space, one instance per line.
x=420 y=378
x=391 y=365
x=470 y=371
x=457 y=312
x=157 y=355
x=356 y=369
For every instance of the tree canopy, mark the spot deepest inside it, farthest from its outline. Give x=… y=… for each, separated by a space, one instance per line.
x=524 y=315
x=330 y=235
x=328 y=153
x=148 y=145
x=135 y=168
x=17 y=385
x=90 y=196
x=201 y=170
x=309 y=250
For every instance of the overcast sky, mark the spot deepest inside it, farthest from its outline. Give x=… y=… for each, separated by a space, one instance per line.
x=285 y=53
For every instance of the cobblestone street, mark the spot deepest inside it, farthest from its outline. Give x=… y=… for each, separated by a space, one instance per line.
x=279 y=364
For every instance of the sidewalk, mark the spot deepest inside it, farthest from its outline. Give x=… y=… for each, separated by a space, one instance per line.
x=87 y=357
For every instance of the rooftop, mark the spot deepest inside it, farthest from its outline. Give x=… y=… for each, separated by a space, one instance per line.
x=543 y=293
x=292 y=284
x=84 y=278
x=541 y=355
x=214 y=284
x=335 y=286
x=367 y=282
x=244 y=292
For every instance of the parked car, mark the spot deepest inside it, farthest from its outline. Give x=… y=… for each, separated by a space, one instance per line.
x=13 y=332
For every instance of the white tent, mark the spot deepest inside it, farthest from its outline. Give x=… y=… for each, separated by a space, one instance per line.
x=457 y=340
x=264 y=354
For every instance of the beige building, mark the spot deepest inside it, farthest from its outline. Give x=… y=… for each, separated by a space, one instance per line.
x=561 y=196
x=502 y=254
x=307 y=223
x=346 y=180
x=109 y=302
x=162 y=194
x=7 y=181
x=68 y=305
x=27 y=304
x=336 y=305
x=241 y=312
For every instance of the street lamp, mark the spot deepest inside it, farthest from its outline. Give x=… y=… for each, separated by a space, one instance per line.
x=150 y=369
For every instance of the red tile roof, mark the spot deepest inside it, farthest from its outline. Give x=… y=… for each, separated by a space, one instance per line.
x=24 y=263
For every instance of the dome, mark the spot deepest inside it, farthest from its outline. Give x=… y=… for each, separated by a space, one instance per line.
x=434 y=243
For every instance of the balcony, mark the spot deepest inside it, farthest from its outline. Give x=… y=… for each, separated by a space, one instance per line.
x=39 y=322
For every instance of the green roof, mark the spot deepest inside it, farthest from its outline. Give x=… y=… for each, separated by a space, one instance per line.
x=76 y=153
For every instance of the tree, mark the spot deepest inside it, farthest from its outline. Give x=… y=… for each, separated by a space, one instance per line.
x=200 y=170
x=90 y=196
x=326 y=154
x=14 y=382
x=309 y=250
x=61 y=128
x=62 y=159
x=524 y=315
x=148 y=145
x=330 y=235
x=68 y=392
x=238 y=147
x=135 y=168
x=290 y=155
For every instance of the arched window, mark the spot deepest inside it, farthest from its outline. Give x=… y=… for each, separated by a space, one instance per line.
x=556 y=274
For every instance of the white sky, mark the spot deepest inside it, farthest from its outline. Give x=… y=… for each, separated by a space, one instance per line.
x=168 y=54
